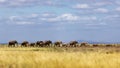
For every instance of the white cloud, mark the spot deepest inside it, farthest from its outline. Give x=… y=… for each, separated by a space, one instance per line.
x=96 y=24
x=49 y=19
x=102 y=3
x=118 y=2
x=81 y=6
x=49 y=2
x=21 y=0
x=23 y=22
x=110 y=17
x=27 y=3
x=12 y=17
x=68 y=17
x=48 y=14
x=2 y=1
x=23 y=17
x=45 y=14
x=33 y=15
x=63 y=17
x=118 y=9
x=15 y=4
x=88 y=18
x=102 y=10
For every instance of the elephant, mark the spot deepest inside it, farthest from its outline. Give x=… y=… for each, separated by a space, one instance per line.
x=12 y=43
x=25 y=44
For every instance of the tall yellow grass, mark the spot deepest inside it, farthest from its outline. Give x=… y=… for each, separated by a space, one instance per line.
x=48 y=58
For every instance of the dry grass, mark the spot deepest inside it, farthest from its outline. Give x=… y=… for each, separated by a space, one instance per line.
x=59 y=58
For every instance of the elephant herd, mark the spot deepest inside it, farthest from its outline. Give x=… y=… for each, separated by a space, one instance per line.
x=49 y=43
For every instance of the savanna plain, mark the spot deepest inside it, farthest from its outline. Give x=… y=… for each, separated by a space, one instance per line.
x=59 y=57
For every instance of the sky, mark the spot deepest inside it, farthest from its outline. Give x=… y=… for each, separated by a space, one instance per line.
x=66 y=20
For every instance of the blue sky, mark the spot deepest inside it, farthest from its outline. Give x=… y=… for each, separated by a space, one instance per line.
x=32 y=20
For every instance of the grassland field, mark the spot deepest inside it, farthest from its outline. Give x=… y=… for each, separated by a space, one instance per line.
x=59 y=57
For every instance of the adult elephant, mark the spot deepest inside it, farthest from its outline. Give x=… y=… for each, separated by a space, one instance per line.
x=12 y=43
x=47 y=43
x=40 y=43
x=65 y=44
x=73 y=43
x=58 y=43
x=108 y=45
x=95 y=45
x=32 y=44
x=25 y=44
x=84 y=44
